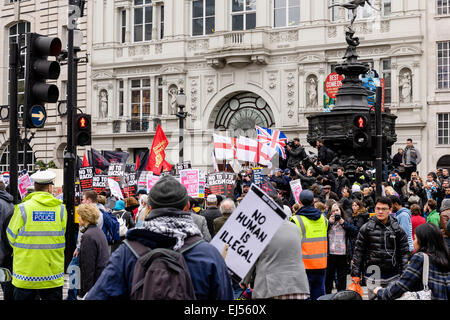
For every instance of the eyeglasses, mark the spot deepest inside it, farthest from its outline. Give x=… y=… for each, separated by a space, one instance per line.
x=382 y=209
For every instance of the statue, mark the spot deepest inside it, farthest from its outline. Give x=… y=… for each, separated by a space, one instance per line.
x=311 y=93
x=103 y=104
x=405 y=88
x=353 y=5
x=173 y=92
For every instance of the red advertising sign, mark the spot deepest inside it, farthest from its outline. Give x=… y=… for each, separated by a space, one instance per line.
x=332 y=84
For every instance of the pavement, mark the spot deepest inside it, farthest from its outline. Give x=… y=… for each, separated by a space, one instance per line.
x=66 y=288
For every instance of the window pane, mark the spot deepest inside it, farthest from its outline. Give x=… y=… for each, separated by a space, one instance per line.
x=197 y=27
x=146 y=82
x=148 y=32
x=146 y=110
x=135 y=96
x=210 y=25
x=137 y=2
x=138 y=33
x=238 y=5
x=197 y=9
x=21 y=28
x=148 y=14
x=210 y=7
x=294 y=3
x=138 y=12
x=387 y=7
x=124 y=18
x=294 y=16
x=148 y=1
x=146 y=96
x=238 y=22
x=251 y=21
x=135 y=110
x=251 y=5
x=280 y=4
x=135 y=83
x=280 y=17
x=13 y=30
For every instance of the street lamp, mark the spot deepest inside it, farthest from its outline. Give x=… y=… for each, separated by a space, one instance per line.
x=181 y=102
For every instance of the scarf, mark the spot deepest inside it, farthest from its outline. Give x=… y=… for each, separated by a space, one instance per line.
x=179 y=228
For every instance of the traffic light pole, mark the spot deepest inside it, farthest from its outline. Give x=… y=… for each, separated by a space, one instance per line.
x=69 y=156
x=379 y=139
x=13 y=127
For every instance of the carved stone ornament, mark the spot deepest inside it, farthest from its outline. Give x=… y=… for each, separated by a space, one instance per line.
x=405 y=85
x=311 y=92
x=273 y=80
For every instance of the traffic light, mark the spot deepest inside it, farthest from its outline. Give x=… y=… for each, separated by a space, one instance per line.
x=82 y=130
x=37 y=71
x=361 y=131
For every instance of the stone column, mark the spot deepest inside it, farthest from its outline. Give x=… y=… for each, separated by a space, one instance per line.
x=155 y=21
x=263 y=13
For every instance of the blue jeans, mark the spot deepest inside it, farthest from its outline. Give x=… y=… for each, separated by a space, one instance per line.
x=237 y=290
x=72 y=293
x=316 y=279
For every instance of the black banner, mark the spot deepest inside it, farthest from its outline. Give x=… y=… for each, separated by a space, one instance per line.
x=221 y=183
x=86 y=174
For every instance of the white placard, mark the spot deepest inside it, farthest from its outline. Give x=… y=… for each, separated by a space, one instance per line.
x=115 y=188
x=248 y=230
x=296 y=187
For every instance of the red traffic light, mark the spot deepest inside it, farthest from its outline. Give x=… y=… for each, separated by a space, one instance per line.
x=82 y=122
x=360 y=122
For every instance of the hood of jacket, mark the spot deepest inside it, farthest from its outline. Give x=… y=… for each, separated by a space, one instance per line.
x=403 y=211
x=43 y=198
x=310 y=212
x=6 y=196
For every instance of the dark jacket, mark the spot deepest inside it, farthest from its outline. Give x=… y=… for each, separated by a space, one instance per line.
x=325 y=155
x=6 y=212
x=385 y=246
x=294 y=156
x=94 y=255
x=210 y=214
x=206 y=266
x=340 y=182
x=369 y=203
x=309 y=212
x=397 y=159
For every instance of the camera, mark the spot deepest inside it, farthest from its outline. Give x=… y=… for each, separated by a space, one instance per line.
x=291 y=144
x=337 y=217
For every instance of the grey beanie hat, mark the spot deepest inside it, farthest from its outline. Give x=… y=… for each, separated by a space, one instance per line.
x=445 y=205
x=168 y=192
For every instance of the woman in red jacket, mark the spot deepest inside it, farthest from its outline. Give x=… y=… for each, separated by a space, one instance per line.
x=416 y=219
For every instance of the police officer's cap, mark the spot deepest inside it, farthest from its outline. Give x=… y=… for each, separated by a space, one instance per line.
x=43 y=177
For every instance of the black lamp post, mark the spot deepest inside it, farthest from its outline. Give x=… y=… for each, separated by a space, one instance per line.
x=181 y=102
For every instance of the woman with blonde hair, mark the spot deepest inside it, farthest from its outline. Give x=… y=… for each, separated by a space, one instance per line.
x=94 y=251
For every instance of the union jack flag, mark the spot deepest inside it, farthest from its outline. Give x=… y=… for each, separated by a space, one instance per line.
x=275 y=139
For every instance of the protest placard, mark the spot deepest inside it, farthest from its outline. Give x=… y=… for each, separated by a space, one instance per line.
x=221 y=183
x=116 y=172
x=99 y=182
x=248 y=230
x=24 y=183
x=86 y=175
x=115 y=188
x=129 y=184
x=257 y=176
x=151 y=180
x=296 y=187
x=190 y=179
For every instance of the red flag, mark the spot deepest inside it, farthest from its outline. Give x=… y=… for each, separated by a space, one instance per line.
x=137 y=164
x=157 y=161
x=85 y=161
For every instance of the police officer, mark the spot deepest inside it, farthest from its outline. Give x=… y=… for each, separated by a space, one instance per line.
x=36 y=233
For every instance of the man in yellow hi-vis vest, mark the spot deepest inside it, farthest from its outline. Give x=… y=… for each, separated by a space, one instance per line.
x=36 y=233
x=313 y=226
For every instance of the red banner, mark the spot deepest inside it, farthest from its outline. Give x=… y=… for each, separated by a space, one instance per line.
x=157 y=155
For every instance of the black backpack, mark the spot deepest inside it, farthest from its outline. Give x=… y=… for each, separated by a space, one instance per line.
x=161 y=274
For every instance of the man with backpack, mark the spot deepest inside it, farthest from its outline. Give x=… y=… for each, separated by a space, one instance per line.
x=107 y=222
x=166 y=257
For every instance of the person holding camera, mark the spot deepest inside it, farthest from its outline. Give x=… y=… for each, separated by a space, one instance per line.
x=396 y=182
x=340 y=231
x=295 y=154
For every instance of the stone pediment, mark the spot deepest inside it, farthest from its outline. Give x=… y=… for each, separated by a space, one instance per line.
x=310 y=58
x=101 y=75
x=171 y=70
x=406 y=51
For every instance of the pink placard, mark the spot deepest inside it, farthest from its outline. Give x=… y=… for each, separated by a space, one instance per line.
x=190 y=179
x=24 y=183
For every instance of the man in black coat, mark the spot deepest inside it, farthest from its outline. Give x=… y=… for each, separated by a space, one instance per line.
x=324 y=154
x=381 y=244
x=295 y=154
x=6 y=212
x=341 y=181
x=211 y=212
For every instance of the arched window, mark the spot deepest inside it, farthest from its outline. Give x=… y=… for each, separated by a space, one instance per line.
x=242 y=113
x=16 y=34
x=30 y=159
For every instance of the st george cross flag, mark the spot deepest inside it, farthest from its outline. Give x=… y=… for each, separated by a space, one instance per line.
x=224 y=147
x=252 y=151
x=275 y=139
x=216 y=167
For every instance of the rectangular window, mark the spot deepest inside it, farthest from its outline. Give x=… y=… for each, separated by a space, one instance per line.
x=386 y=65
x=386 y=8
x=143 y=20
x=140 y=98
x=159 y=103
x=443 y=64
x=123 y=25
x=162 y=22
x=443 y=128
x=443 y=7
x=334 y=11
x=286 y=13
x=203 y=17
x=121 y=98
x=243 y=14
